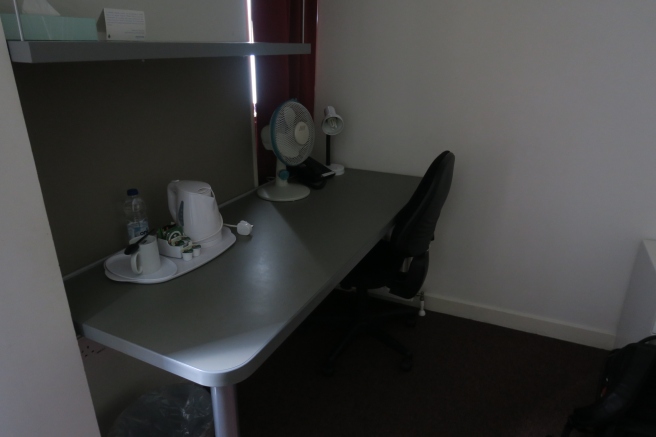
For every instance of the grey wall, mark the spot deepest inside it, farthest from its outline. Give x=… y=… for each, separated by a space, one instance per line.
x=97 y=129
x=549 y=107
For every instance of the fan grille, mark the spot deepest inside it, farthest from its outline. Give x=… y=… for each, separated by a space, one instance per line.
x=292 y=133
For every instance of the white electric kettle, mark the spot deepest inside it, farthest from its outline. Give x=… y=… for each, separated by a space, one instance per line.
x=193 y=206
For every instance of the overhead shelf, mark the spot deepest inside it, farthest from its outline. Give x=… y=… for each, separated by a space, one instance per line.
x=36 y=52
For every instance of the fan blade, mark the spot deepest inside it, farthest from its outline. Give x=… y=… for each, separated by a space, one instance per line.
x=290 y=116
x=289 y=149
x=266 y=137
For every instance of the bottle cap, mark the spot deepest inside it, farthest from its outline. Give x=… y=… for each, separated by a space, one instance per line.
x=133 y=192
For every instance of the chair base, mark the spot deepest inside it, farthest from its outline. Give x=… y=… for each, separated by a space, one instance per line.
x=366 y=322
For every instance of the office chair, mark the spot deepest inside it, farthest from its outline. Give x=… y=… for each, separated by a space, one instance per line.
x=384 y=265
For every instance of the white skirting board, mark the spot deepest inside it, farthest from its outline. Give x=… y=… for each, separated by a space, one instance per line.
x=508 y=319
x=521 y=321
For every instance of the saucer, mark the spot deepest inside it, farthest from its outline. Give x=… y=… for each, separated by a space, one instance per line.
x=119 y=265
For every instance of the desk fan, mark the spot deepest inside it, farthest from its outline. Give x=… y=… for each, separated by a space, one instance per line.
x=290 y=134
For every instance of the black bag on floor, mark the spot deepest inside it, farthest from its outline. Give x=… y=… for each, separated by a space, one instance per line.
x=626 y=406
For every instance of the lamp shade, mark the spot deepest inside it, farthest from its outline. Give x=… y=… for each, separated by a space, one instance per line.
x=332 y=123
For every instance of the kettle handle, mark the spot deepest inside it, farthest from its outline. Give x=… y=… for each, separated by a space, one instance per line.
x=172 y=194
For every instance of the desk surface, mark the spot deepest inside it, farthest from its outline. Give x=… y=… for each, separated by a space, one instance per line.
x=217 y=324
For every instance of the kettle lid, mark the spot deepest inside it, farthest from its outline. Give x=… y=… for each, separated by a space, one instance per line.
x=197 y=187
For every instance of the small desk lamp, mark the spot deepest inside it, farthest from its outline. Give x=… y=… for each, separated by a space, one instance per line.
x=332 y=125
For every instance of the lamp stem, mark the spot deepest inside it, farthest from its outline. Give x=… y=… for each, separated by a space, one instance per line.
x=327 y=149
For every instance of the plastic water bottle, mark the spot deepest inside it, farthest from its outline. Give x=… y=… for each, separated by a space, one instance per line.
x=135 y=213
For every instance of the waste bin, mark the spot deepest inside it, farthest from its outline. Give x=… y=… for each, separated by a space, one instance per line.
x=178 y=410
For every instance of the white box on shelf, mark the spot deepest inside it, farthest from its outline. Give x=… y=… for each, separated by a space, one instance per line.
x=121 y=25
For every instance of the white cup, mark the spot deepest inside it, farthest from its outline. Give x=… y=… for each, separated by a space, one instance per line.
x=146 y=260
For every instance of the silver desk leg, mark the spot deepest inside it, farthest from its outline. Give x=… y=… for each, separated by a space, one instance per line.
x=224 y=407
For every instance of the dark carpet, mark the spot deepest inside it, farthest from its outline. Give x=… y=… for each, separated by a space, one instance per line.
x=469 y=379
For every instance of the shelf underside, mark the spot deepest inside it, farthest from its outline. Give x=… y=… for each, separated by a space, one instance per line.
x=34 y=52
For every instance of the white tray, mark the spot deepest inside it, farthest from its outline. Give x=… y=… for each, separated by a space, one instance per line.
x=117 y=266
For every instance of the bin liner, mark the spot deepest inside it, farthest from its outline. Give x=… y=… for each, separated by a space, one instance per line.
x=179 y=410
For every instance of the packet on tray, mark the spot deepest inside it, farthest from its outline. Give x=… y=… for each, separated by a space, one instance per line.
x=172 y=241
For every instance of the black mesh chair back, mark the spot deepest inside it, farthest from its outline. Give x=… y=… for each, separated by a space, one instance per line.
x=415 y=224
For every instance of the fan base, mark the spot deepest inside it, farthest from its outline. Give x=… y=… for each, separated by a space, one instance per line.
x=287 y=193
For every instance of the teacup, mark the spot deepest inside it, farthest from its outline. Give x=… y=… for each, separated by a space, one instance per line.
x=146 y=259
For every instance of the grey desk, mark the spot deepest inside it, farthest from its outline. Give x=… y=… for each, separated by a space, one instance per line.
x=217 y=324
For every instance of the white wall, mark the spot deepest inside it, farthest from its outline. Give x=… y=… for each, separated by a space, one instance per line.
x=549 y=108
x=43 y=390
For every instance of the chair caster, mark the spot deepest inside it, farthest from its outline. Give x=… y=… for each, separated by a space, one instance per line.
x=406 y=363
